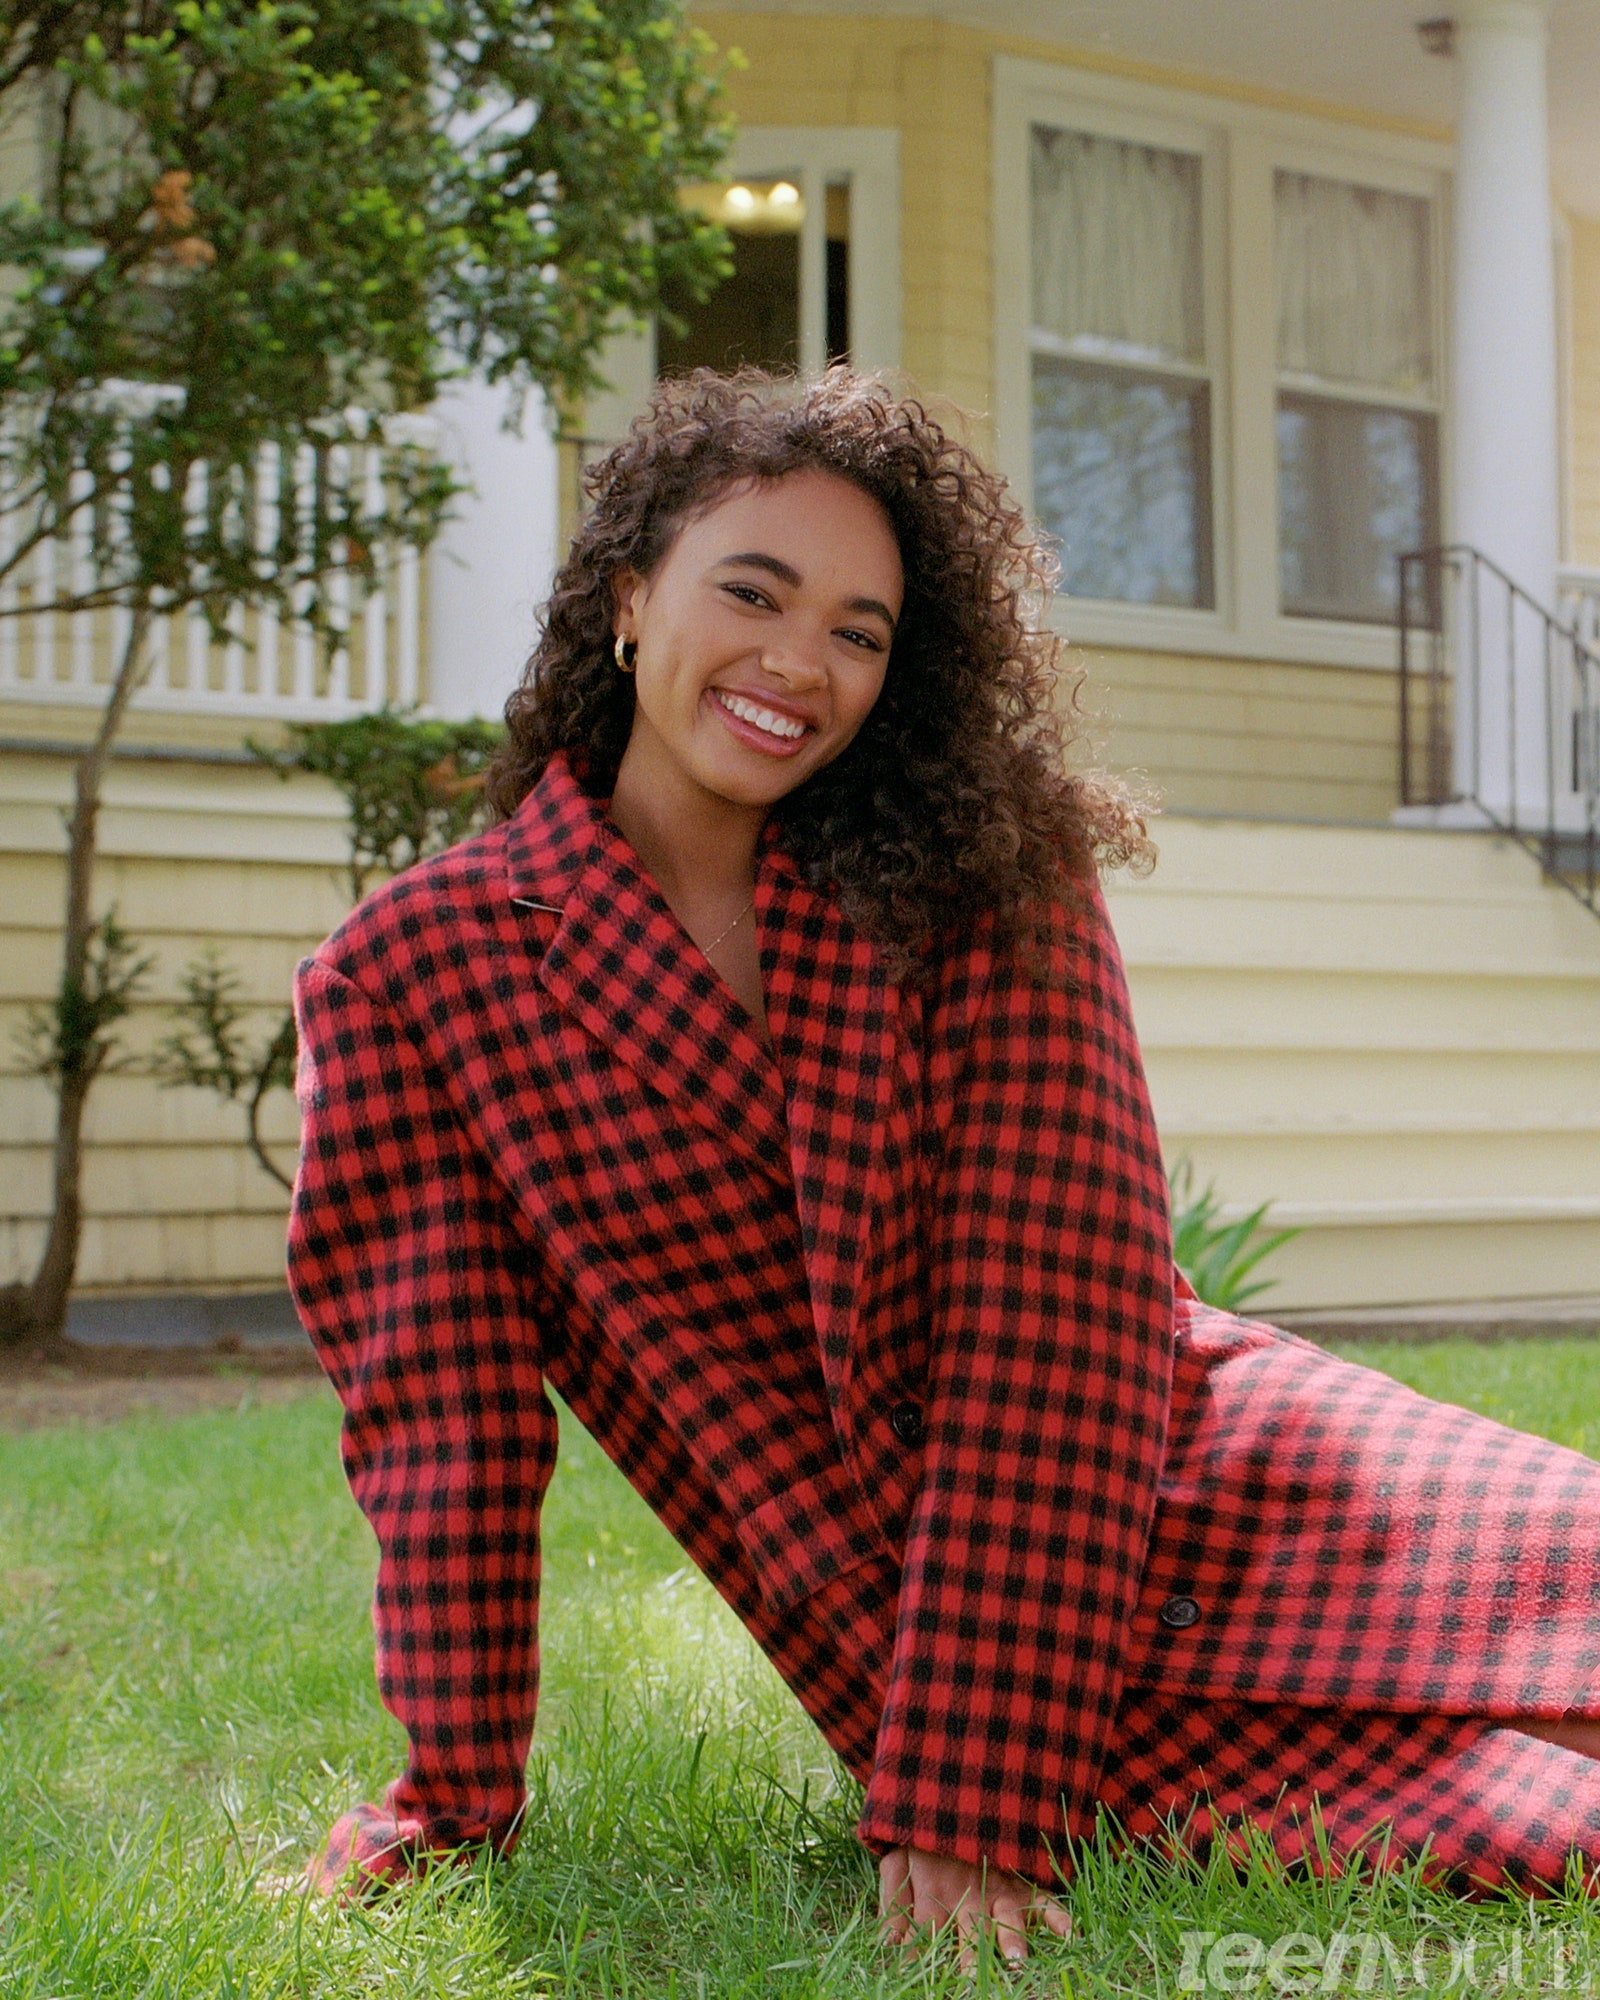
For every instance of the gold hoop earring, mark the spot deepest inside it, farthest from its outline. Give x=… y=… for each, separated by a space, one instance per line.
x=626 y=652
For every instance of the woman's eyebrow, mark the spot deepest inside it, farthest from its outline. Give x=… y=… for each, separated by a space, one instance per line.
x=753 y=559
x=872 y=604
x=786 y=573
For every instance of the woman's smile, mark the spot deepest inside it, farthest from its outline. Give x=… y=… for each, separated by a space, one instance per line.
x=772 y=731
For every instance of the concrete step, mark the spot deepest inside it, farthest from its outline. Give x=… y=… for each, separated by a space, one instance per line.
x=1361 y=1172
x=1221 y=1007
x=1301 y=932
x=1355 y=1089
x=241 y=1321
x=1392 y=1036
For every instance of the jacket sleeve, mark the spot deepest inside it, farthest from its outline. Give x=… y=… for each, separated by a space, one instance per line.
x=416 y=1292
x=1050 y=1370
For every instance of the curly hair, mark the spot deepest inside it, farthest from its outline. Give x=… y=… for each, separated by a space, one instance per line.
x=955 y=799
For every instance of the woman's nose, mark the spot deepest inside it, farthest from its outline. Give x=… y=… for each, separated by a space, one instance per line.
x=798 y=661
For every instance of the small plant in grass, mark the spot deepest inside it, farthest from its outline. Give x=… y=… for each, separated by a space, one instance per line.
x=411 y=787
x=211 y=1048
x=1218 y=1257
x=70 y=1043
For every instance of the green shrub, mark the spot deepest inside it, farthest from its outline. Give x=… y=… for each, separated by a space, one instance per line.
x=1217 y=1257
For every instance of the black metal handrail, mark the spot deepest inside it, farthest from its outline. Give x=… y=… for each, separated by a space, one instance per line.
x=1503 y=712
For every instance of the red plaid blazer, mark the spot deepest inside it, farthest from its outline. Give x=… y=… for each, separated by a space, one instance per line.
x=881 y=1324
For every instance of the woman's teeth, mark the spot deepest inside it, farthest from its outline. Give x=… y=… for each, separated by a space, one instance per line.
x=762 y=718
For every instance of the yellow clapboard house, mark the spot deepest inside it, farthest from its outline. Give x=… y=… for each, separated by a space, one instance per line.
x=1248 y=302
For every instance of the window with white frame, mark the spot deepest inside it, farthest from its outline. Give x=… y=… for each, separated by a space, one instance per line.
x=1217 y=361
x=1122 y=403
x=1357 y=423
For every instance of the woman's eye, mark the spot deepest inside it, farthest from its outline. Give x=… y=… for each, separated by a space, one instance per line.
x=870 y=640
x=748 y=594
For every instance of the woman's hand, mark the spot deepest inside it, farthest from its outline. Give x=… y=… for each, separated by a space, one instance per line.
x=922 y=1890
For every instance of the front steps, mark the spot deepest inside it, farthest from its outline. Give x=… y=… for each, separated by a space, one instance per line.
x=1394 y=1036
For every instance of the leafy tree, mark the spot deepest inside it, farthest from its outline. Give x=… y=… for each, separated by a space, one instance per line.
x=266 y=231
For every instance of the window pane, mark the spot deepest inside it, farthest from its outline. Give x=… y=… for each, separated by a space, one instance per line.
x=1357 y=487
x=1355 y=284
x=1116 y=247
x=1122 y=479
x=754 y=316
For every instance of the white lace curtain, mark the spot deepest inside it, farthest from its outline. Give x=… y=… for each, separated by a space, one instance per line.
x=1116 y=246
x=1354 y=282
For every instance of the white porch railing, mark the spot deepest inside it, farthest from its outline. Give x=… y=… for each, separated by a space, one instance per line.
x=266 y=666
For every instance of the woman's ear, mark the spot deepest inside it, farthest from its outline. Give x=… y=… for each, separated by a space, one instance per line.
x=628 y=590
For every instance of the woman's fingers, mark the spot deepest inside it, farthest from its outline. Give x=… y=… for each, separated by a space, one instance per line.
x=925 y=1893
x=894 y=1894
x=969 y=1926
x=943 y=1888
x=1012 y=1902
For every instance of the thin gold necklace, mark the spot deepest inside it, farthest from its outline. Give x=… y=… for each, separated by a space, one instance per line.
x=707 y=949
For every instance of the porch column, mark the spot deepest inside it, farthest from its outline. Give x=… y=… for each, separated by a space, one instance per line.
x=491 y=565
x=1504 y=411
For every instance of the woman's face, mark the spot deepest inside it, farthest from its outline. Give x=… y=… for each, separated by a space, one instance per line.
x=763 y=637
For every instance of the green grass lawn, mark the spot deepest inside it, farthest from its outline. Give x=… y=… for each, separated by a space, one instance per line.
x=186 y=1702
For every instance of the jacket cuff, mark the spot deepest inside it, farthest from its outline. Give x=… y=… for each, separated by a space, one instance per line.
x=1046 y=1862
x=376 y=1847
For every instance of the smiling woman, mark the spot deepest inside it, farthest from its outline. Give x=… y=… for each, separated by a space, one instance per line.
x=766 y=1083
x=947 y=798
x=759 y=646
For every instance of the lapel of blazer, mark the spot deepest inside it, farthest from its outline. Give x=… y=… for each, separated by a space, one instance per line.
x=832 y=1011
x=622 y=966
x=814 y=1110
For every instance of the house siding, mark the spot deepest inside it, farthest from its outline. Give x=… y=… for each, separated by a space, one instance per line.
x=190 y=853
x=1251 y=738
x=931 y=82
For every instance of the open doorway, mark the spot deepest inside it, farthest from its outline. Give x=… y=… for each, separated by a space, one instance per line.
x=756 y=317
x=814 y=215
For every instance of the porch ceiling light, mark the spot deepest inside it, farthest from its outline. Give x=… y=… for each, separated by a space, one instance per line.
x=741 y=200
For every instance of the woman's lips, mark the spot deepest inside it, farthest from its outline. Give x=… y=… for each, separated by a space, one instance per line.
x=752 y=733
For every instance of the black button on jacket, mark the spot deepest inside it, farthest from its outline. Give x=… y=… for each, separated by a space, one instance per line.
x=905 y=1420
